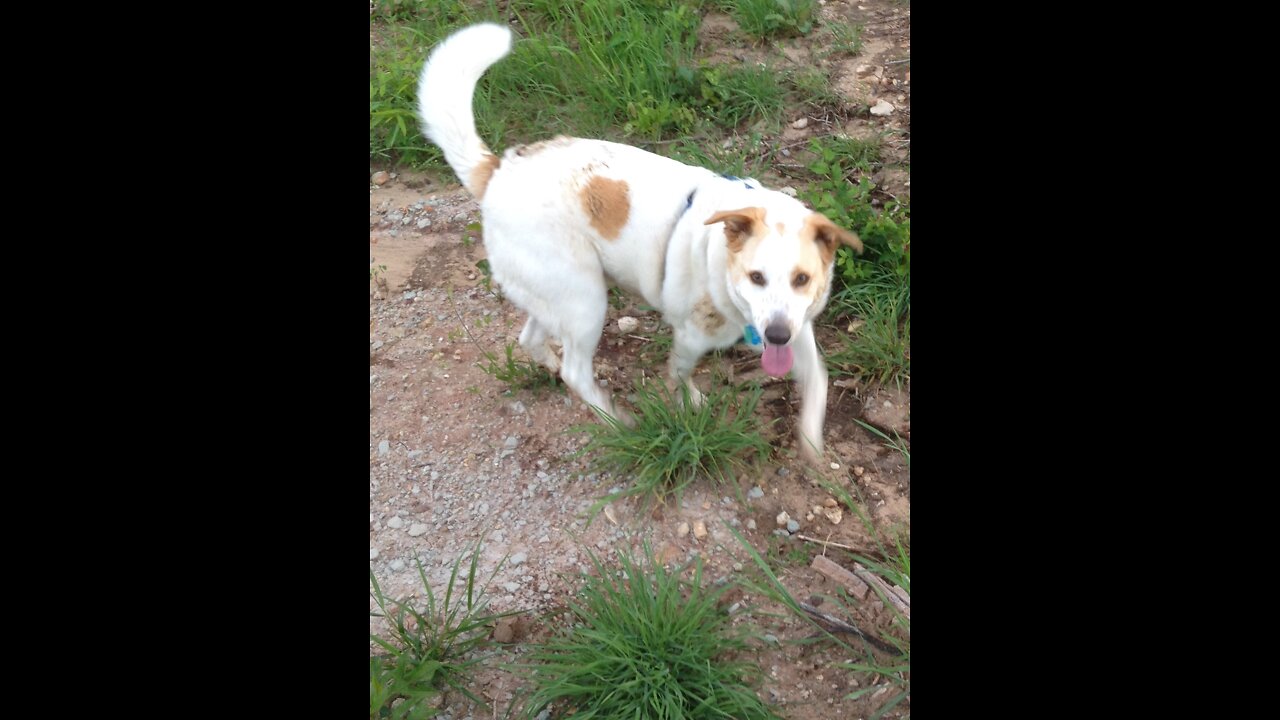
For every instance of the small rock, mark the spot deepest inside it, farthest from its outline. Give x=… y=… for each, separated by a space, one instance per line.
x=518 y=407
x=830 y=502
x=519 y=558
x=783 y=518
x=785 y=152
x=380 y=178
x=397 y=565
x=751 y=524
x=801 y=124
x=628 y=324
x=415 y=454
x=460 y=217
x=699 y=529
x=783 y=472
x=755 y=493
x=683 y=529
x=373 y=379
x=377 y=344
x=373 y=553
x=395 y=523
x=858 y=470
x=771 y=639
x=835 y=515
x=737 y=567
x=511 y=587
x=881 y=108
x=424 y=223
x=406 y=221
x=417 y=529
x=864 y=70
x=835 y=466
x=788 y=190
x=384 y=448
x=793 y=526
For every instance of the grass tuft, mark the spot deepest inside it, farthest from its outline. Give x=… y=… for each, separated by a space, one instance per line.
x=646 y=643
x=673 y=443
x=429 y=650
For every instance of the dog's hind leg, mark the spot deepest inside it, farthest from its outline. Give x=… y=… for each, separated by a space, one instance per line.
x=580 y=331
x=811 y=375
x=536 y=342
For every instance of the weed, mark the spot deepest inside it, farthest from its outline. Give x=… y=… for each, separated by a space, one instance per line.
x=518 y=374
x=845 y=38
x=895 y=443
x=774 y=17
x=428 y=650
x=745 y=94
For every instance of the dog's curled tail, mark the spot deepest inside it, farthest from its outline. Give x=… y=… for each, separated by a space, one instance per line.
x=445 y=91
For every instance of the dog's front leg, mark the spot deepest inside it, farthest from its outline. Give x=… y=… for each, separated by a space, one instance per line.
x=685 y=353
x=811 y=375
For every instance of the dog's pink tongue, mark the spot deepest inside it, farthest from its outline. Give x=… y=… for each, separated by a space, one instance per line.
x=776 y=359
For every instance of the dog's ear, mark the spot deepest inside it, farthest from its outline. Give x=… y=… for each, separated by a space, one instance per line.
x=830 y=236
x=738 y=224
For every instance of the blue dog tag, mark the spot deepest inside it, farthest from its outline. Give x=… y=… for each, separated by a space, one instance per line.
x=751 y=336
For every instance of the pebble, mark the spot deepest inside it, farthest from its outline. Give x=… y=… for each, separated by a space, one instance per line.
x=511 y=587
x=395 y=523
x=699 y=529
x=377 y=344
x=793 y=526
x=415 y=454
x=783 y=518
x=373 y=553
x=835 y=466
x=771 y=639
x=417 y=529
x=858 y=470
x=460 y=217
x=751 y=524
x=424 y=223
x=755 y=493
x=801 y=124
x=881 y=109
x=683 y=529
x=384 y=447
x=519 y=558
x=397 y=565
x=737 y=567
x=628 y=324
x=783 y=472
x=788 y=190
x=380 y=178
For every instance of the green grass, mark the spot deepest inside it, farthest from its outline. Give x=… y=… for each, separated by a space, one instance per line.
x=903 y=447
x=813 y=88
x=764 y=18
x=873 y=290
x=845 y=38
x=674 y=443
x=429 y=650
x=518 y=374
x=646 y=643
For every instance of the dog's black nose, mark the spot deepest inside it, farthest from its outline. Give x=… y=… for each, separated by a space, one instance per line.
x=777 y=334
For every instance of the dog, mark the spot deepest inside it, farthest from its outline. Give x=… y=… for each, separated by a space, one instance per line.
x=723 y=259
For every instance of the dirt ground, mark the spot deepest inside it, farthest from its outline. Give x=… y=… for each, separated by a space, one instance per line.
x=455 y=457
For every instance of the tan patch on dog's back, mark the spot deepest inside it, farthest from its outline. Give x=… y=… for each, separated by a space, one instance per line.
x=706 y=317
x=535 y=148
x=607 y=203
x=481 y=174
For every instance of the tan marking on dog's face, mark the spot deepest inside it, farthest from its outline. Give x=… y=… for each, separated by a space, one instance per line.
x=706 y=317
x=782 y=228
x=607 y=203
x=481 y=173
x=828 y=236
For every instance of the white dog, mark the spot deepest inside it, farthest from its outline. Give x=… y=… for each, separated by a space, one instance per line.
x=721 y=258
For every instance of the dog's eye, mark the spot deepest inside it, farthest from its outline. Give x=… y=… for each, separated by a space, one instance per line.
x=757 y=278
x=801 y=280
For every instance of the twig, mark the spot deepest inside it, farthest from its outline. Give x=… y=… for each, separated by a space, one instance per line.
x=844 y=627
x=898 y=62
x=824 y=542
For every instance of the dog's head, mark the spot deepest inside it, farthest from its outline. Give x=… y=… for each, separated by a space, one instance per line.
x=780 y=260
